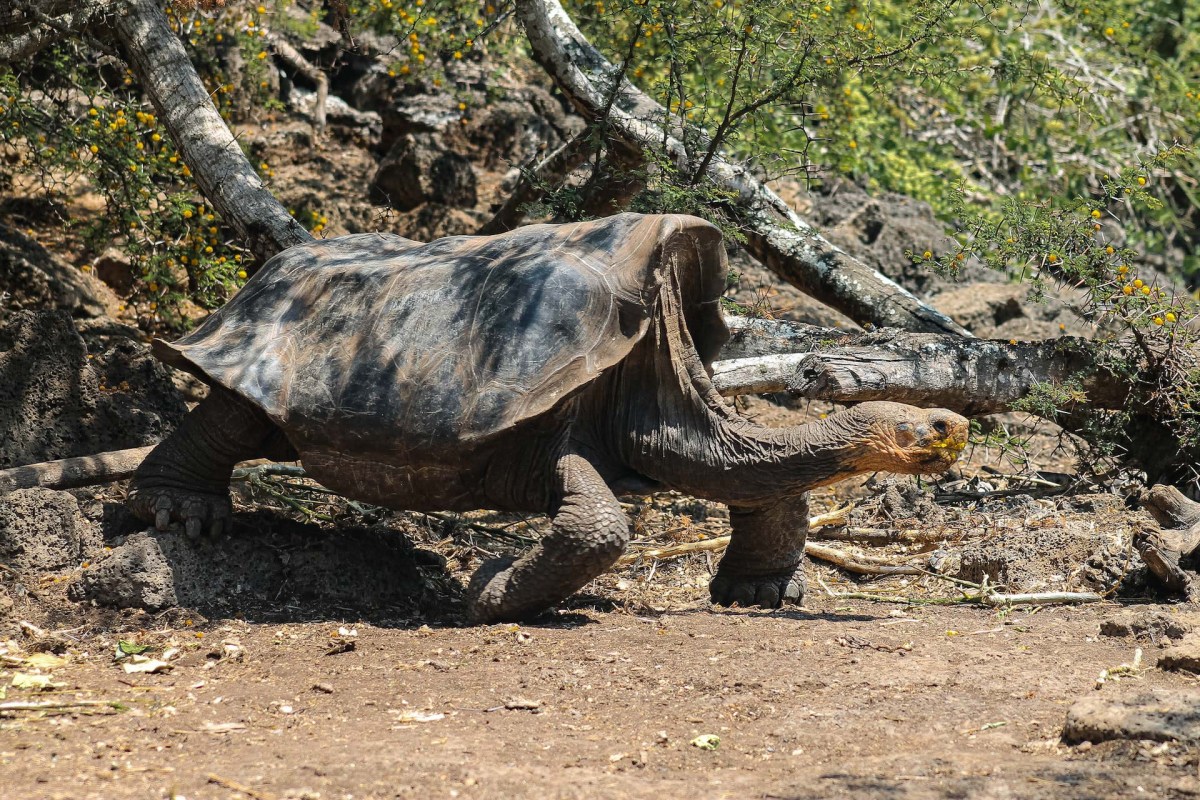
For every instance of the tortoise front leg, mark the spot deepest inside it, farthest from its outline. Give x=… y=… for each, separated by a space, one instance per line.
x=589 y=533
x=186 y=477
x=764 y=563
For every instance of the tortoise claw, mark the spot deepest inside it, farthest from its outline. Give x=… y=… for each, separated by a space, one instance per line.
x=764 y=591
x=162 y=519
x=163 y=506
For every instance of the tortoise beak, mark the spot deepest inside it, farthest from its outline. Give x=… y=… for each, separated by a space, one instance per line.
x=943 y=438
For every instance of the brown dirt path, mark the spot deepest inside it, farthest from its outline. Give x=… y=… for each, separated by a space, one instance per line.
x=842 y=699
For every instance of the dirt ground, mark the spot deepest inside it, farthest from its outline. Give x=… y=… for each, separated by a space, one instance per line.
x=840 y=699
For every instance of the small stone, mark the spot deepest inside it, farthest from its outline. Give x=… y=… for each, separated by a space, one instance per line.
x=324 y=688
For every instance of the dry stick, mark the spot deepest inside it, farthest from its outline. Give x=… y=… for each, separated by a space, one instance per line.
x=238 y=787
x=987 y=598
x=718 y=543
x=861 y=565
x=882 y=536
x=51 y=705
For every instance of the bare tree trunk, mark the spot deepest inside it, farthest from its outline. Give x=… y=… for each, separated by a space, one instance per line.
x=775 y=234
x=208 y=147
x=970 y=376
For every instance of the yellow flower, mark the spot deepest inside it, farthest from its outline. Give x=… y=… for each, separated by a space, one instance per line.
x=1121 y=270
x=1158 y=320
x=1170 y=316
x=94 y=149
x=1095 y=213
x=1109 y=250
x=242 y=274
x=187 y=213
x=1127 y=289
x=1141 y=181
x=927 y=255
x=1145 y=290
x=1109 y=31
x=1139 y=283
x=262 y=54
x=1052 y=258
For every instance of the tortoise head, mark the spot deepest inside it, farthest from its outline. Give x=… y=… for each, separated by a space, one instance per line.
x=900 y=438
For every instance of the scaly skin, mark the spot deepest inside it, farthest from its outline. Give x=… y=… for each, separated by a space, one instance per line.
x=589 y=533
x=186 y=478
x=763 y=565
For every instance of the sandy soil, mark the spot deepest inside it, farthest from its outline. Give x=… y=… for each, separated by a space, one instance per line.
x=840 y=699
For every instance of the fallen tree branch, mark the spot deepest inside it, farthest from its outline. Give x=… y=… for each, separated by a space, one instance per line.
x=997 y=600
x=25 y=29
x=775 y=234
x=990 y=599
x=879 y=537
x=208 y=147
x=970 y=376
x=71 y=473
x=859 y=564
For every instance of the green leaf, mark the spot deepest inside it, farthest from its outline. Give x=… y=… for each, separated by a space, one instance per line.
x=125 y=648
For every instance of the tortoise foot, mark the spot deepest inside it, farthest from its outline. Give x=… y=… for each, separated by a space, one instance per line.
x=764 y=591
x=163 y=505
x=486 y=593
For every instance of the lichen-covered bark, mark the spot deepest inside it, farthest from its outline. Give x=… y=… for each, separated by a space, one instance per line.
x=208 y=147
x=775 y=234
x=970 y=376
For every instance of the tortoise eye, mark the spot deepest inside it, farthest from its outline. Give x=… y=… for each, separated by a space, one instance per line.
x=941 y=427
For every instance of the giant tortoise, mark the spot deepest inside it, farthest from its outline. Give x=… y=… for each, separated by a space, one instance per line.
x=549 y=369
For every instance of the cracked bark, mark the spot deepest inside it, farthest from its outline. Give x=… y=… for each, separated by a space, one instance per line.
x=970 y=376
x=775 y=234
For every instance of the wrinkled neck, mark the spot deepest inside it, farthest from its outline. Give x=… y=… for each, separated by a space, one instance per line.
x=768 y=463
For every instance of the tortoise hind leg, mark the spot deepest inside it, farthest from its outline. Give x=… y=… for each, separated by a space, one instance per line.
x=589 y=533
x=186 y=477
